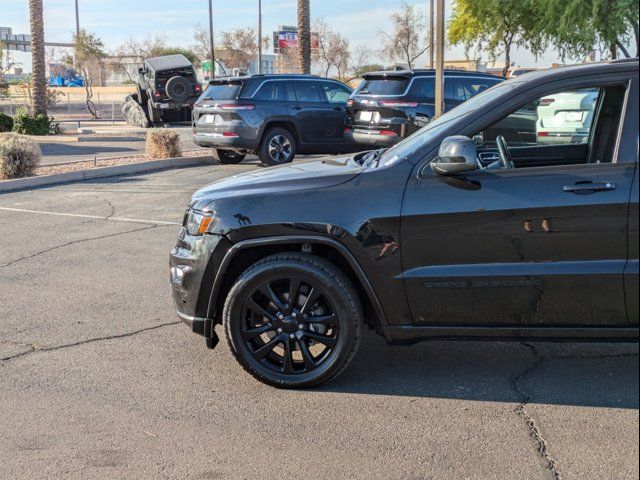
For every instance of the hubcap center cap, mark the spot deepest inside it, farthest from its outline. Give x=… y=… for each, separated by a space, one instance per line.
x=289 y=324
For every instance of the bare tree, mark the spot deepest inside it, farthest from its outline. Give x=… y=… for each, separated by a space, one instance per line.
x=88 y=55
x=404 y=42
x=333 y=49
x=203 y=46
x=239 y=47
x=361 y=61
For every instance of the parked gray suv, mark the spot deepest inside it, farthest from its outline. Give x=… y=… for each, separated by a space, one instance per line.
x=274 y=116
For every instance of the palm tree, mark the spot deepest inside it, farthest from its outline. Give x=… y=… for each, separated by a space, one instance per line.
x=304 y=36
x=36 y=23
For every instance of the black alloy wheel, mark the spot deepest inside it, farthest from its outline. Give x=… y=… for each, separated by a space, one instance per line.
x=293 y=320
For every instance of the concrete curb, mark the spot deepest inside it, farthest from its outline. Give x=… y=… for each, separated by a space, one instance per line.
x=58 y=178
x=64 y=138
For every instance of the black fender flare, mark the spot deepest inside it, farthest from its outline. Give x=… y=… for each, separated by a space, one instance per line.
x=289 y=239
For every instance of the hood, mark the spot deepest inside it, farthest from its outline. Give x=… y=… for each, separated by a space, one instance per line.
x=311 y=174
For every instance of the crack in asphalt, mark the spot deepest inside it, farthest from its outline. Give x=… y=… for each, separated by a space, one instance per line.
x=55 y=247
x=37 y=348
x=534 y=432
x=113 y=209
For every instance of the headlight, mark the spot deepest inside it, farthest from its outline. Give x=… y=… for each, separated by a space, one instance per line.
x=198 y=223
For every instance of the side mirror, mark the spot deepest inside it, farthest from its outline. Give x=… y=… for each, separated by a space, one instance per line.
x=457 y=154
x=141 y=70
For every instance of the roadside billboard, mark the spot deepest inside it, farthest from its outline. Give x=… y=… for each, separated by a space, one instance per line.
x=284 y=39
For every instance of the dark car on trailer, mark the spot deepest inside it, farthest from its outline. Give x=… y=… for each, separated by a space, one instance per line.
x=167 y=86
x=390 y=105
x=468 y=228
x=274 y=116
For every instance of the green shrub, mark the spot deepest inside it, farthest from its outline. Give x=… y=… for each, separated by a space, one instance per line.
x=6 y=123
x=19 y=156
x=27 y=124
x=162 y=144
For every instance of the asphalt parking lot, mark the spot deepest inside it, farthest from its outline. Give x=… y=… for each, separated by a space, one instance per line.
x=98 y=379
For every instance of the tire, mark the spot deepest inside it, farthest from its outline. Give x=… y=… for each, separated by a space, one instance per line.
x=277 y=147
x=280 y=344
x=153 y=112
x=178 y=88
x=142 y=95
x=229 y=157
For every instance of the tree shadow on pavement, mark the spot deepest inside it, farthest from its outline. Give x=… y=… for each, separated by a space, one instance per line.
x=581 y=374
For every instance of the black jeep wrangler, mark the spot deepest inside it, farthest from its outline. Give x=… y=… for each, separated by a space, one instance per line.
x=167 y=83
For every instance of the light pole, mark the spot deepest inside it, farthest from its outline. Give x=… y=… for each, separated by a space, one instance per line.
x=439 y=58
x=77 y=21
x=431 y=33
x=213 y=53
x=259 y=36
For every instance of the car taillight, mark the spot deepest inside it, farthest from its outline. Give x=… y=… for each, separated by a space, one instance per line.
x=389 y=133
x=157 y=94
x=397 y=104
x=236 y=106
x=229 y=134
x=546 y=101
x=196 y=88
x=543 y=134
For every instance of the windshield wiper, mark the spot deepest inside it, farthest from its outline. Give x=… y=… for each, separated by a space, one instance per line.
x=372 y=156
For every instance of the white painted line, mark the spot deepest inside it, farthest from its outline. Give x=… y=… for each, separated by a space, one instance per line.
x=95 y=217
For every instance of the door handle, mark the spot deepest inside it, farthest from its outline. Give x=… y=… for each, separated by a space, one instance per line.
x=339 y=109
x=589 y=187
x=297 y=107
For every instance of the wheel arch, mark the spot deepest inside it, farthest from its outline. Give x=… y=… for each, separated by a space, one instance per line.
x=287 y=124
x=233 y=265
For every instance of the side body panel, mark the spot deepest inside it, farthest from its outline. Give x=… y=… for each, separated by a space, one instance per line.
x=362 y=214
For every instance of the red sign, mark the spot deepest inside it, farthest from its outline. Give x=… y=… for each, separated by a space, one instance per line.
x=290 y=39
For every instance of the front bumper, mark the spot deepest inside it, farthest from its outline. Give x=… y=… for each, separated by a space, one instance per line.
x=194 y=262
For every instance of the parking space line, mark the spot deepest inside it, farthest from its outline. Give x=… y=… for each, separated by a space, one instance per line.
x=94 y=217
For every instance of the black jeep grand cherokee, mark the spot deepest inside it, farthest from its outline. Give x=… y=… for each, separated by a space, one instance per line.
x=390 y=105
x=468 y=228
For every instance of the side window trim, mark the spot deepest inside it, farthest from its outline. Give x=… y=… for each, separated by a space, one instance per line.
x=624 y=119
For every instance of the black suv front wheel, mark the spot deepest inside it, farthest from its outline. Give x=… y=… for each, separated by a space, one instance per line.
x=278 y=146
x=293 y=320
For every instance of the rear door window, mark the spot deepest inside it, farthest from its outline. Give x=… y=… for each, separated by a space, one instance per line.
x=383 y=86
x=423 y=88
x=335 y=93
x=470 y=87
x=309 y=91
x=271 y=91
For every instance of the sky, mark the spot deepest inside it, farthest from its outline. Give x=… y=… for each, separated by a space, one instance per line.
x=116 y=21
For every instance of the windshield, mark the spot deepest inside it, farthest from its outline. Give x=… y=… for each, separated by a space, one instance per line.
x=383 y=86
x=222 y=91
x=433 y=129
